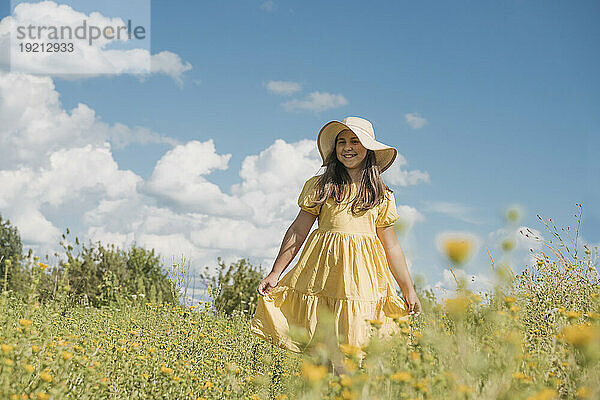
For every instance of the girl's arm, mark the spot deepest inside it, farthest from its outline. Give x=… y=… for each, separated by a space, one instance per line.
x=292 y=241
x=398 y=267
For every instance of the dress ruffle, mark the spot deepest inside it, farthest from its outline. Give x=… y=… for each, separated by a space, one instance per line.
x=285 y=306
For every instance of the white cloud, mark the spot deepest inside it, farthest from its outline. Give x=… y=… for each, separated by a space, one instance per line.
x=455 y=210
x=268 y=6
x=415 y=120
x=283 y=88
x=316 y=101
x=72 y=178
x=179 y=178
x=86 y=60
x=395 y=175
x=270 y=190
x=33 y=123
x=170 y=64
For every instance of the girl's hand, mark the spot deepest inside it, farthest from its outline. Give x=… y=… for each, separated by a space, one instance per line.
x=268 y=283
x=412 y=303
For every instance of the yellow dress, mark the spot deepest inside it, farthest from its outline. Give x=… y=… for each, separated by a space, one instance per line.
x=343 y=266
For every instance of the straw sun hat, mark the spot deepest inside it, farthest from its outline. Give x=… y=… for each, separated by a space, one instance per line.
x=384 y=154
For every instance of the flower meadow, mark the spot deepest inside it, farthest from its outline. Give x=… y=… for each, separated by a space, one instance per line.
x=535 y=336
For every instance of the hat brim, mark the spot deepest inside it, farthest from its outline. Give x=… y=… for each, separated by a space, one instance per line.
x=384 y=154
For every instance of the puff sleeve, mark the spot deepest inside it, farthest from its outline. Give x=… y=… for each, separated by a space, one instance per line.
x=388 y=214
x=307 y=195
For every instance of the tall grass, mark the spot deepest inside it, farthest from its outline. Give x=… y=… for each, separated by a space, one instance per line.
x=535 y=336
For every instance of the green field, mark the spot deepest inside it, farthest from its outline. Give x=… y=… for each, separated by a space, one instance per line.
x=535 y=337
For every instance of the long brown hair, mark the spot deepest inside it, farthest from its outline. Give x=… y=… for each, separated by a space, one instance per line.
x=335 y=183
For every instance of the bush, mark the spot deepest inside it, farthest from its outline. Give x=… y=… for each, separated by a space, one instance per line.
x=100 y=274
x=11 y=249
x=234 y=287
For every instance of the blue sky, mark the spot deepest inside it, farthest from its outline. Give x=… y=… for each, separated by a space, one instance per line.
x=509 y=91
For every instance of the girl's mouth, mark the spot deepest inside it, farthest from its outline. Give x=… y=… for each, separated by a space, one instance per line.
x=349 y=156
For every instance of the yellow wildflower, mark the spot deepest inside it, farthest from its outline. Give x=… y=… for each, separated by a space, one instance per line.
x=521 y=376
x=544 y=394
x=401 y=376
x=25 y=322
x=29 y=368
x=43 y=396
x=350 y=364
x=345 y=380
x=66 y=355
x=584 y=392
x=46 y=377
x=6 y=348
x=593 y=315
x=456 y=307
x=313 y=372
x=458 y=248
x=579 y=335
x=166 y=370
x=421 y=385
x=573 y=314
x=375 y=323
x=349 y=349
x=464 y=388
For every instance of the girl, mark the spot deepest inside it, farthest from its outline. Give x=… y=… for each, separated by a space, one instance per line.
x=346 y=262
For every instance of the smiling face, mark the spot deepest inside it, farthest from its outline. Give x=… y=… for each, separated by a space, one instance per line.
x=349 y=150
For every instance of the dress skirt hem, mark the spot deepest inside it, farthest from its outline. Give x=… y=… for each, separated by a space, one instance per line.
x=285 y=306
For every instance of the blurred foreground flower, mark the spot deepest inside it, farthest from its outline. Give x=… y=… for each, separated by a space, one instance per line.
x=313 y=372
x=459 y=248
x=402 y=226
x=544 y=394
x=508 y=244
x=401 y=376
x=457 y=307
x=513 y=213
x=579 y=335
x=349 y=349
